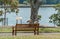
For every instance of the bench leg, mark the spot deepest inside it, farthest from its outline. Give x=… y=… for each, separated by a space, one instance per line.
x=34 y=32
x=37 y=31
x=15 y=32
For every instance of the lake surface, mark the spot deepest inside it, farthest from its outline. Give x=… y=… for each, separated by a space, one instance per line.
x=45 y=12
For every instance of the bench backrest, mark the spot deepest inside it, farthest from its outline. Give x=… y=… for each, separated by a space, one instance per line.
x=26 y=25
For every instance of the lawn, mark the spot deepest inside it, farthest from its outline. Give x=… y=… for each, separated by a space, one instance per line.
x=9 y=29
x=49 y=30
x=42 y=36
x=41 y=30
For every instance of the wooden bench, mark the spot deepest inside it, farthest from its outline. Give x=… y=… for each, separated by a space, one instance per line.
x=26 y=27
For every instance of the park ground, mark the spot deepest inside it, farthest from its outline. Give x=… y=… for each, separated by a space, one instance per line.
x=30 y=36
x=45 y=33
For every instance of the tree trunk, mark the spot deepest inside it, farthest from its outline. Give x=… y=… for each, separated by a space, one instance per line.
x=4 y=16
x=34 y=10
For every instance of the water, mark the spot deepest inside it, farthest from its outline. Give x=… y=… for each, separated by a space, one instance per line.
x=45 y=12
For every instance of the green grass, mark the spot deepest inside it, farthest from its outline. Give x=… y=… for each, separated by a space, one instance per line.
x=47 y=30
x=41 y=30
x=5 y=29
x=41 y=36
x=51 y=36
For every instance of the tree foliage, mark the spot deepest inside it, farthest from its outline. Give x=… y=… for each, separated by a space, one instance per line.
x=55 y=18
x=14 y=7
x=39 y=17
x=13 y=3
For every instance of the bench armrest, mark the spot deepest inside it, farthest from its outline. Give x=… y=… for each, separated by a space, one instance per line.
x=13 y=28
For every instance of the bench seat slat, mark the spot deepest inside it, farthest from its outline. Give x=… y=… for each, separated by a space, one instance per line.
x=25 y=28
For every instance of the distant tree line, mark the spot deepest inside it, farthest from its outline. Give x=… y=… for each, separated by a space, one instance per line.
x=44 y=1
